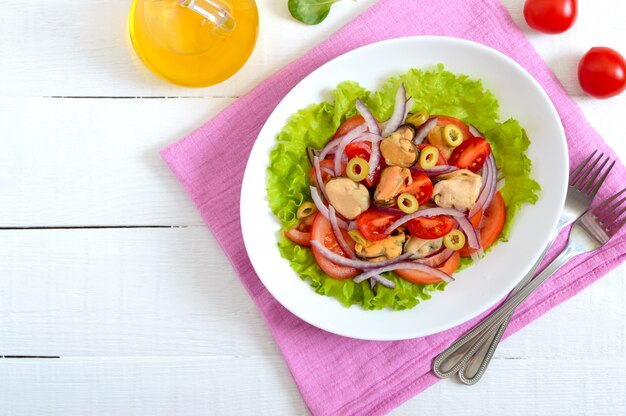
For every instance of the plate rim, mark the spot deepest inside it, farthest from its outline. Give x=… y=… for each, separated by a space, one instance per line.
x=453 y=323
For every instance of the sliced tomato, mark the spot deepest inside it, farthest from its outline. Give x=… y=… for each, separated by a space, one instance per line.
x=430 y=228
x=301 y=233
x=373 y=223
x=491 y=225
x=348 y=125
x=475 y=219
x=327 y=163
x=471 y=154
x=442 y=159
x=322 y=231
x=421 y=187
x=416 y=276
x=299 y=237
x=359 y=149
x=443 y=121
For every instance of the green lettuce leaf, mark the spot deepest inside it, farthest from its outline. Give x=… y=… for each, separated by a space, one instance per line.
x=439 y=92
x=509 y=143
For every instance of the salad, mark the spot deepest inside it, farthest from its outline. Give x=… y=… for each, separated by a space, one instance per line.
x=383 y=196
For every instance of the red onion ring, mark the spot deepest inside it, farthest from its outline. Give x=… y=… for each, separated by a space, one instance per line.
x=428 y=212
x=485 y=189
x=494 y=179
x=474 y=131
x=436 y=171
x=327 y=170
x=385 y=282
x=437 y=259
x=402 y=265
x=391 y=210
x=318 y=177
x=368 y=137
x=374 y=160
x=355 y=263
x=328 y=149
x=370 y=120
x=399 y=112
x=470 y=232
x=317 y=200
x=343 y=142
x=338 y=234
x=423 y=130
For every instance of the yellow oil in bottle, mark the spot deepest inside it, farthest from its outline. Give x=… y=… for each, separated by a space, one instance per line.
x=185 y=48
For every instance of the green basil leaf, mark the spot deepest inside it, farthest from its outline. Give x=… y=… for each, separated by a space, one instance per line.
x=310 y=12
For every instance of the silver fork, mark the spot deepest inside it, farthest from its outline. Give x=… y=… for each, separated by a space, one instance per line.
x=470 y=355
x=589 y=232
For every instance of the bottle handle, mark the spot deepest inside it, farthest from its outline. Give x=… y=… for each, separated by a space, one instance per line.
x=214 y=11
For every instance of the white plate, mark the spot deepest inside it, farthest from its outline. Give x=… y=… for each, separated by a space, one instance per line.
x=475 y=289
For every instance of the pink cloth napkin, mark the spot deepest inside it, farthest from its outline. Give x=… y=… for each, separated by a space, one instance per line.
x=338 y=375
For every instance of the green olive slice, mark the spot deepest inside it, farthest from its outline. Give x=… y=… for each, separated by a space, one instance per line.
x=307 y=209
x=454 y=240
x=418 y=118
x=452 y=135
x=407 y=203
x=357 y=169
x=429 y=156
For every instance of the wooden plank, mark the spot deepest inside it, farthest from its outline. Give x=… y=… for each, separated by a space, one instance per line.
x=221 y=385
x=123 y=292
x=530 y=386
x=262 y=385
x=155 y=292
x=68 y=48
x=96 y=162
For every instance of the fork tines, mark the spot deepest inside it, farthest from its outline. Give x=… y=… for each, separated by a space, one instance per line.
x=585 y=175
x=608 y=213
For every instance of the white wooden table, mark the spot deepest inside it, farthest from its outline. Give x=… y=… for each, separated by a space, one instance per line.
x=105 y=263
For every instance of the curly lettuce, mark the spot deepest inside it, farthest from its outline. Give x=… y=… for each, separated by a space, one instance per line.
x=437 y=91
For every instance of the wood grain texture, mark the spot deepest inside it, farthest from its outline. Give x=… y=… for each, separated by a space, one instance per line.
x=171 y=292
x=69 y=48
x=154 y=321
x=66 y=163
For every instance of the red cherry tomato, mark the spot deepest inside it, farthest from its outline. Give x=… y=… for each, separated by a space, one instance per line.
x=602 y=72
x=373 y=223
x=359 y=149
x=421 y=187
x=551 y=16
x=299 y=237
x=321 y=231
x=471 y=154
x=348 y=125
x=431 y=227
x=327 y=163
x=301 y=233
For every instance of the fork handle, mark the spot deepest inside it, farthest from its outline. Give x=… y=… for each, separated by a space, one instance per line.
x=512 y=303
x=457 y=356
x=461 y=351
x=476 y=365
